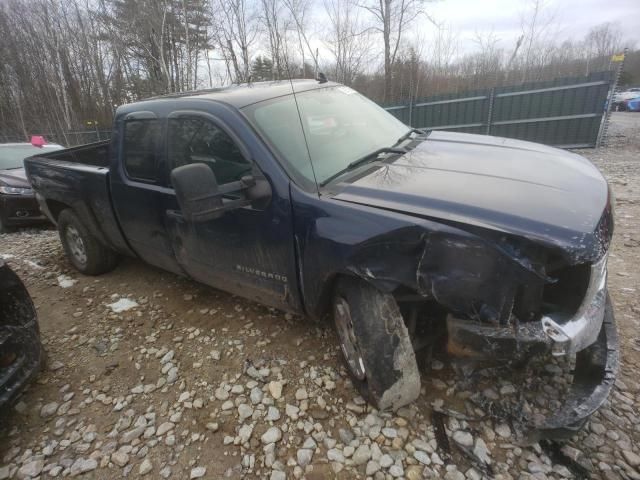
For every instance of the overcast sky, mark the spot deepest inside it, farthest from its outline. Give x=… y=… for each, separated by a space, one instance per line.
x=572 y=18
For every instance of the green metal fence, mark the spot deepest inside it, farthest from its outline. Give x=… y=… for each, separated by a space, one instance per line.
x=565 y=112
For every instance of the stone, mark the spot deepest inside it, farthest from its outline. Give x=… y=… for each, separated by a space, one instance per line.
x=83 y=465
x=291 y=411
x=481 y=451
x=221 y=394
x=197 y=472
x=422 y=457
x=335 y=455
x=172 y=376
x=272 y=435
x=167 y=357
x=462 y=438
x=244 y=433
x=396 y=471
x=120 y=458
x=454 y=475
x=413 y=472
x=129 y=436
x=275 y=389
x=304 y=456
x=278 y=475
x=145 y=467
x=31 y=469
x=390 y=432
x=5 y=472
x=372 y=467
x=256 y=395
x=631 y=458
x=164 y=428
x=49 y=410
x=386 y=460
x=503 y=430
x=346 y=436
x=244 y=411
x=301 y=394
x=272 y=415
x=361 y=455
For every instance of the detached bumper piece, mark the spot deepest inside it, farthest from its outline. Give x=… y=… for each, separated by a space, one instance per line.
x=20 y=347
x=590 y=333
x=593 y=378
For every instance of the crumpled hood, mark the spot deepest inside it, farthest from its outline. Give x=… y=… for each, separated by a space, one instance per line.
x=511 y=186
x=15 y=177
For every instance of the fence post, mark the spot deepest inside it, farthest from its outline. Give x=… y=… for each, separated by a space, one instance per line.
x=604 y=126
x=490 y=114
x=410 y=110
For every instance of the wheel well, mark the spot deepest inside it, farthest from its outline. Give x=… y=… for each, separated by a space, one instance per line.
x=323 y=307
x=55 y=208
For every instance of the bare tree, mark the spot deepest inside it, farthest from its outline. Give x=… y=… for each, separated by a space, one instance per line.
x=347 y=39
x=391 y=19
x=235 y=29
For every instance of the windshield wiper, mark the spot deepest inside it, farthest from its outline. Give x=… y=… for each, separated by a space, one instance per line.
x=408 y=134
x=369 y=157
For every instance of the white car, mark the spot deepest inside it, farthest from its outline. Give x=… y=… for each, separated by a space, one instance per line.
x=626 y=95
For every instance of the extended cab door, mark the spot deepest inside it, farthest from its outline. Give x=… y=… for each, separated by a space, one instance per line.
x=248 y=251
x=139 y=197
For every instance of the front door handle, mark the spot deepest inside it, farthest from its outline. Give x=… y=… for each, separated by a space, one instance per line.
x=175 y=215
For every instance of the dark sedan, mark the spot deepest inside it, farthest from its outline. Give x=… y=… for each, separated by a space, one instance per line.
x=18 y=205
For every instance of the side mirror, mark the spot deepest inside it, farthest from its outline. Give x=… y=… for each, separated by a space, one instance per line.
x=197 y=192
x=201 y=198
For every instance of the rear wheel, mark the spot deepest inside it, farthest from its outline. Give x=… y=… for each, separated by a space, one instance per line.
x=375 y=344
x=83 y=249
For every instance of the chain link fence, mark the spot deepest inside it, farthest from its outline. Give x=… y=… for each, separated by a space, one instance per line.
x=67 y=139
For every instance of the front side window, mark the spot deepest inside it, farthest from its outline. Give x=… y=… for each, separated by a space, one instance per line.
x=340 y=126
x=198 y=140
x=140 y=149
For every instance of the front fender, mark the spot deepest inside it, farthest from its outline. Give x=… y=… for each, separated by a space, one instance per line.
x=463 y=272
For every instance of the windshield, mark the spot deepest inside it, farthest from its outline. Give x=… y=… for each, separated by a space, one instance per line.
x=340 y=126
x=12 y=156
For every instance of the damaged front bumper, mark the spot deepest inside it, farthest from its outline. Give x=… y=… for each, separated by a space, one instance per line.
x=590 y=333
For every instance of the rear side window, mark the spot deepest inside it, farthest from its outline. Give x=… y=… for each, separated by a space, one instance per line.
x=141 y=140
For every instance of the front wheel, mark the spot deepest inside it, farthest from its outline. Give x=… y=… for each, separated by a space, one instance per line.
x=375 y=344
x=83 y=249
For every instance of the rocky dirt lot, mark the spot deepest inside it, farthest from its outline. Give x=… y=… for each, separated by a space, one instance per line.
x=153 y=376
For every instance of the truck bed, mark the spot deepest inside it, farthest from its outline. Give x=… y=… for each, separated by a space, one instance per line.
x=78 y=178
x=96 y=154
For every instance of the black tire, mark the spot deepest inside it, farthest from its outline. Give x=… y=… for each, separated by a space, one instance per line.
x=384 y=351
x=76 y=240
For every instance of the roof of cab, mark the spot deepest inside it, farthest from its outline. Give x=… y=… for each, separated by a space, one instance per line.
x=246 y=94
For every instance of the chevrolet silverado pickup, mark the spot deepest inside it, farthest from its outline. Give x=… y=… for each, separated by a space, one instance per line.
x=310 y=198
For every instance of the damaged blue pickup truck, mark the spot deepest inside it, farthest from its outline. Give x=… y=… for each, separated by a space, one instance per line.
x=308 y=197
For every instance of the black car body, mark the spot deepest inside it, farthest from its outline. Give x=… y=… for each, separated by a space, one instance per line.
x=18 y=205
x=20 y=348
x=326 y=202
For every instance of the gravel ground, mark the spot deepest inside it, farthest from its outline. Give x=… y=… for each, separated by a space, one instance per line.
x=151 y=375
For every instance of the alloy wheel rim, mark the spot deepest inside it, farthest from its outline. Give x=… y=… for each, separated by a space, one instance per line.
x=76 y=244
x=348 y=341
